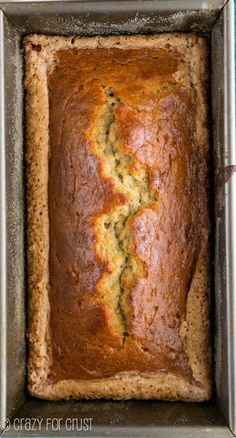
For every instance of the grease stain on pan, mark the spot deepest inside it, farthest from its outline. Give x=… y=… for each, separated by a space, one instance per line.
x=225 y=174
x=221 y=179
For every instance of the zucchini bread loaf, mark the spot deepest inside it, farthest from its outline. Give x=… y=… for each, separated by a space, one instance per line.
x=118 y=217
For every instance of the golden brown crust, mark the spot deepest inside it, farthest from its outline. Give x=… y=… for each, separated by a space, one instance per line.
x=193 y=381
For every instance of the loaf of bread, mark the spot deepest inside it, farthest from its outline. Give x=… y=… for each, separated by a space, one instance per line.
x=118 y=217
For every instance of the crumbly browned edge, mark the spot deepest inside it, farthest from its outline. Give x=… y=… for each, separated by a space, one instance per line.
x=39 y=56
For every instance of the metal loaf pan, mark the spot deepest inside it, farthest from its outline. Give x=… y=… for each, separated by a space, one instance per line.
x=112 y=418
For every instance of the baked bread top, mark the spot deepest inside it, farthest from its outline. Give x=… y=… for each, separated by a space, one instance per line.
x=126 y=217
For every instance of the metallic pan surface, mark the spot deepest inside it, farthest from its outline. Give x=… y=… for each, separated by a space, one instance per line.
x=132 y=418
x=12 y=321
x=223 y=100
